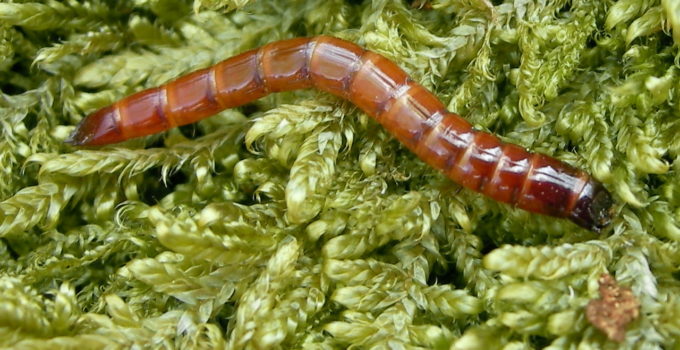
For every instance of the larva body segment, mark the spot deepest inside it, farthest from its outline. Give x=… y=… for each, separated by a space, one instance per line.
x=237 y=79
x=474 y=159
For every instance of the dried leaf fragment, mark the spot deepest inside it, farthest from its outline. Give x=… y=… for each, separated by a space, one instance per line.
x=616 y=308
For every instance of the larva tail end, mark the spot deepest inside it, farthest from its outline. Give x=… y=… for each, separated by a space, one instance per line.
x=99 y=128
x=594 y=207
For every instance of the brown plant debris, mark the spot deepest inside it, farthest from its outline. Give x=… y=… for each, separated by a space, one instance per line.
x=616 y=308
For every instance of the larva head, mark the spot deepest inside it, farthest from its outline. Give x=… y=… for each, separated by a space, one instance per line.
x=593 y=209
x=98 y=128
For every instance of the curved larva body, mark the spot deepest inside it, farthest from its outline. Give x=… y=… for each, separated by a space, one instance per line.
x=474 y=159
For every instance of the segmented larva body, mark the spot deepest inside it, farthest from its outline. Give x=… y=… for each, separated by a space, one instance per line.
x=474 y=159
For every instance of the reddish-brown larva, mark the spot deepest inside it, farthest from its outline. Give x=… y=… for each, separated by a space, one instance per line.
x=474 y=159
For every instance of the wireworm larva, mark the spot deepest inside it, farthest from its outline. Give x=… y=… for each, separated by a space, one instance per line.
x=474 y=159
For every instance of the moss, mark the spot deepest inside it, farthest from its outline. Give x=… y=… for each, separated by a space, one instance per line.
x=297 y=221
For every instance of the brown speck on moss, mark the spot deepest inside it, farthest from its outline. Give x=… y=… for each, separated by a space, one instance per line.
x=421 y=4
x=616 y=308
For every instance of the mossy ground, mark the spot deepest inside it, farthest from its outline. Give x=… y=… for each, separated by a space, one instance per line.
x=296 y=221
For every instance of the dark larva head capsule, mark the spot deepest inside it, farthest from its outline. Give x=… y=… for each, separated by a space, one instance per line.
x=593 y=209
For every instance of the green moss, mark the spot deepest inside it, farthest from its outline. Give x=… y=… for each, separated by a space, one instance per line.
x=297 y=221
